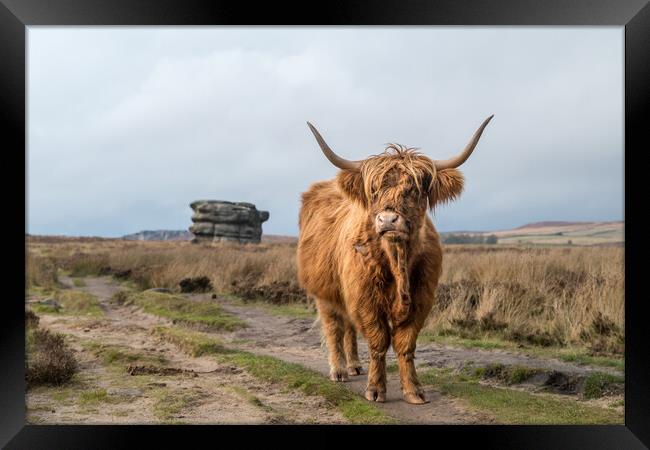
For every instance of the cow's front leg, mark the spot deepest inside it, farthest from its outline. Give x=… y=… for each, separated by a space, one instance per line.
x=377 y=333
x=404 y=341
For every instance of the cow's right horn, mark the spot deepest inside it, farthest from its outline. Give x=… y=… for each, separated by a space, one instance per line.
x=335 y=159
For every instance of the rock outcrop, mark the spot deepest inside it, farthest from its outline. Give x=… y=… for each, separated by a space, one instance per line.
x=222 y=221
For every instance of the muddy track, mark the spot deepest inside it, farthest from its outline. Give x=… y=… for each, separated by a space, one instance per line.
x=295 y=340
x=298 y=340
x=297 y=334
x=211 y=388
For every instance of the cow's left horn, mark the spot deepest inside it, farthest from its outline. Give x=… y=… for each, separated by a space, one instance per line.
x=335 y=159
x=462 y=156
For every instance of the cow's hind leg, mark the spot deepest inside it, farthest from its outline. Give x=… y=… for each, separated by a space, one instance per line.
x=350 y=347
x=333 y=328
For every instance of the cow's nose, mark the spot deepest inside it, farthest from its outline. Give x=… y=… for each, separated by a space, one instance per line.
x=390 y=221
x=387 y=218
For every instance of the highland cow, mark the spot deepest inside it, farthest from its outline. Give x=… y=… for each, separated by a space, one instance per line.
x=371 y=257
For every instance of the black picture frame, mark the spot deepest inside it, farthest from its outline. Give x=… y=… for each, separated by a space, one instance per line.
x=16 y=15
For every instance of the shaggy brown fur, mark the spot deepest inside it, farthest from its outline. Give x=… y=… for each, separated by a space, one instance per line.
x=381 y=286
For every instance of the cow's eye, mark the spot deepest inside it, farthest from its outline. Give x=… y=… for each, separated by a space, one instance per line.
x=426 y=182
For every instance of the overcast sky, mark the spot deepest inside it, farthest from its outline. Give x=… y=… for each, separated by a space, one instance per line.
x=127 y=126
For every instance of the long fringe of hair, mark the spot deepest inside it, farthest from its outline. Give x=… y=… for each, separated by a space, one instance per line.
x=375 y=168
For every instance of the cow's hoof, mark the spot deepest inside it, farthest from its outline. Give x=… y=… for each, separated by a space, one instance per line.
x=375 y=396
x=354 y=371
x=338 y=375
x=415 y=398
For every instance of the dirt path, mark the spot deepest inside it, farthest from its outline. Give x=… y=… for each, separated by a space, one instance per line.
x=297 y=335
x=216 y=394
x=291 y=339
x=298 y=340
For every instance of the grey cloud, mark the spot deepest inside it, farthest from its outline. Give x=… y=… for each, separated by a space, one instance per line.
x=127 y=126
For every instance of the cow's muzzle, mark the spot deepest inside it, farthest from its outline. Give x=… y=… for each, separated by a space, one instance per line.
x=390 y=223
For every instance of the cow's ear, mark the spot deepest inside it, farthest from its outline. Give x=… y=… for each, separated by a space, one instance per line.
x=351 y=183
x=446 y=186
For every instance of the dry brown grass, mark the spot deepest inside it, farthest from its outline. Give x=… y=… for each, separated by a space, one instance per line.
x=41 y=271
x=165 y=264
x=542 y=296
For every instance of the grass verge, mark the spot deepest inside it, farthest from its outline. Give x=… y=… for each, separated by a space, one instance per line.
x=299 y=310
x=94 y=397
x=517 y=407
x=71 y=302
x=202 y=313
x=568 y=354
x=79 y=303
x=250 y=398
x=192 y=343
x=599 y=384
x=168 y=404
x=115 y=356
x=507 y=374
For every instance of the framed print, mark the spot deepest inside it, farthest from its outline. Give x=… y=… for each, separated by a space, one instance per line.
x=397 y=217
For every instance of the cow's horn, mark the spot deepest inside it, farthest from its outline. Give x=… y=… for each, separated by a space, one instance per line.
x=462 y=156
x=333 y=157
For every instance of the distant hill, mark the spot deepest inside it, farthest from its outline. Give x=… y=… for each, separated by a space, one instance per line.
x=560 y=233
x=551 y=223
x=547 y=232
x=51 y=239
